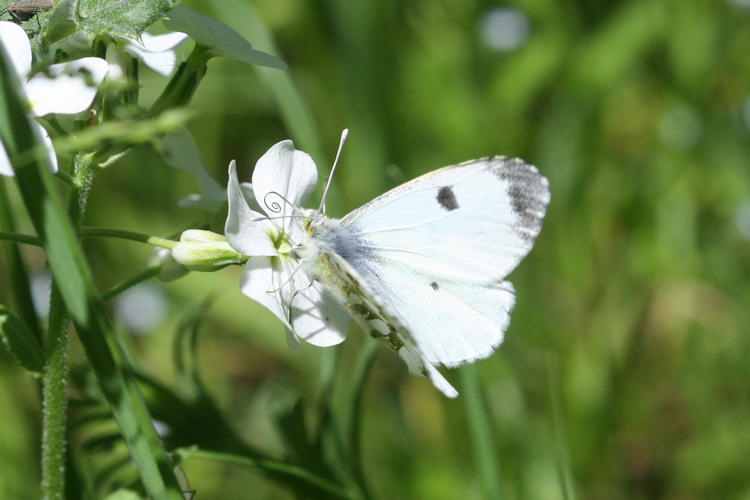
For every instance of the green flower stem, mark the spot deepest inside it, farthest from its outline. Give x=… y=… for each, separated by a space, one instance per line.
x=144 y=275
x=90 y=232
x=54 y=401
x=93 y=232
x=183 y=84
x=20 y=238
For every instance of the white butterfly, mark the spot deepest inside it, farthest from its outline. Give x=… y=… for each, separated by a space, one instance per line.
x=421 y=267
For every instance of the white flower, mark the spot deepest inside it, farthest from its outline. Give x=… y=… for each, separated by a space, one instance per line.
x=156 y=50
x=66 y=88
x=274 y=275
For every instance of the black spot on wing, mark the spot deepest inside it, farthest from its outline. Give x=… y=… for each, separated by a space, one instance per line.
x=528 y=191
x=447 y=199
x=435 y=286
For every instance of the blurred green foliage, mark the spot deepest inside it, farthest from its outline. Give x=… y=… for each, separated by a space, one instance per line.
x=629 y=308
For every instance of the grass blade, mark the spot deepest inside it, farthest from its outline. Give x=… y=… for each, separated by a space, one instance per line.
x=561 y=448
x=480 y=432
x=21 y=289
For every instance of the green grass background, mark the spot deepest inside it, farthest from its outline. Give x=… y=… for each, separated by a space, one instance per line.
x=626 y=367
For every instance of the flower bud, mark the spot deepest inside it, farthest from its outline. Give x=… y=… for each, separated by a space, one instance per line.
x=200 y=250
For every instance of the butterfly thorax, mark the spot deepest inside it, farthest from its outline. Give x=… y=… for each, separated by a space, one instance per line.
x=334 y=255
x=324 y=236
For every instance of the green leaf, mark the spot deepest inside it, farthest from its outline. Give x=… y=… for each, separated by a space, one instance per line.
x=21 y=341
x=180 y=152
x=120 y=17
x=291 y=424
x=21 y=290
x=295 y=111
x=125 y=132
x=308 y=484
x=218 y=37
x=185 y=345
x=61 y=21
x=73 y=276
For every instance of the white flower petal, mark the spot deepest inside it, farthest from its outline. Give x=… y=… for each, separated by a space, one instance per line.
x=249 y=194
x=155 y=50
x=17 y=44
x=247 y=231
x=158 y=43
x=317 y=317
x=116 y=62
x=283 y=176
x=68 y=91
x=51 y=155
x=161 y=62
x=291 y=340
x=5 y=167
x=258 y=279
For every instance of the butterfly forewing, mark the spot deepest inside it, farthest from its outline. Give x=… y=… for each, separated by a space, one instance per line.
x=469 y=222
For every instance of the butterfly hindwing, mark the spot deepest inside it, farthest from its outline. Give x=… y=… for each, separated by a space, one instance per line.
x=372 y=312
x=450 y=322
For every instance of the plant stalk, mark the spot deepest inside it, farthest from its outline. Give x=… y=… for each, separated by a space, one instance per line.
x=55 y=377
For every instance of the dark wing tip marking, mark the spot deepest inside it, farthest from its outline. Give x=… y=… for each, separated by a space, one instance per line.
x=447 y=198
x=528 y=191
x=435 y=286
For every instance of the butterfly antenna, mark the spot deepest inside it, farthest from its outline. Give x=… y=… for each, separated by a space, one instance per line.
x=322 y=207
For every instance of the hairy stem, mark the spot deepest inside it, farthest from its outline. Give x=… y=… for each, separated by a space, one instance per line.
x=55 y=376
x=147 y=273
x=54 y=402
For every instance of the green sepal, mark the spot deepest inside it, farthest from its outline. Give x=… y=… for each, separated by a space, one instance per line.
x=61 y=21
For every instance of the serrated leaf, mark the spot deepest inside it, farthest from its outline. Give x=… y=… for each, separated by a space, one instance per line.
x=21 y=341
x=120 y=17
x=218 y=37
